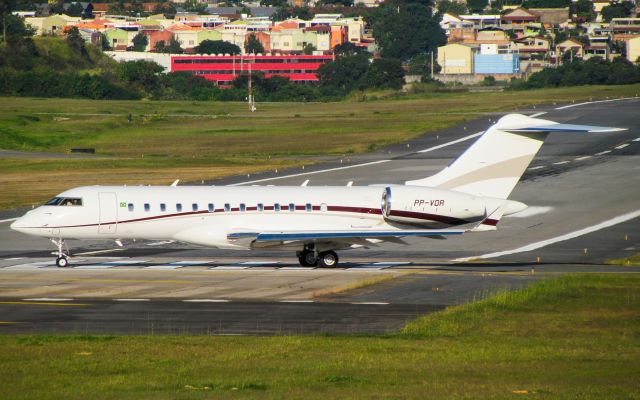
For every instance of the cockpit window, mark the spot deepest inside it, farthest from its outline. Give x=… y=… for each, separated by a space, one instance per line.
x=64 y=201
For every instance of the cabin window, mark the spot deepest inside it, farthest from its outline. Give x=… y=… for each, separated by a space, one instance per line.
x=147 y=207
x=276 y=207
x=163 y=207
x=178 y=207
x=194 y=207
x=323 y=207
x=309 y=207
x=260 y=207
x=292 y=207
x=130 y=206
x=211 y=208
x=227 y=207
x=243 y=207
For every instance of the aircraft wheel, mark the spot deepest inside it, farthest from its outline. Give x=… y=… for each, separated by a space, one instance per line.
x=62 y=262
x=328 y=259
x=308 y=259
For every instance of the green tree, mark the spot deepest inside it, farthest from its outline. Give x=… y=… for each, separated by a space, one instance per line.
x=217 y=47
x=76 y=43
x=308 y=49
x=6 y=6
x=75 y=10
x=348 y=49
x=57 y=7
x=583 y=9
x=477 y=6
x=404 y=29
x=166 y=7
x=253 y=45
x=384 y=73
x=617 y=9
x=449 y=6
x=140 y=42
x=273 y=3
x=344 y=3
x=194 y=6
x=344 y=73
x=174 y=47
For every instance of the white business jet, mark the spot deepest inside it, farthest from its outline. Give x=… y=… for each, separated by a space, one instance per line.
x=468 y=195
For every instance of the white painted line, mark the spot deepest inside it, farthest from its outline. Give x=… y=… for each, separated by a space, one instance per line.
x=534 y=246
x=296 y=301
x=372 y=303
x=160 y=243
x=561 y=162
x=451 y=142
x=14 y=259
x=622 y=146
x=535 y=168
x=582 y=158
x=197 y=262
x=392 y=263
x=9 y=220
x=125 y=262
x=31 y=265
x=296 y=269
x=163 y=267
x=593 y=102
x=636 y=139
x=259 y=263
x=97 y=266
x=48 y=299
x=97 y=252
x=131 y=299
x=538 y=114
x=530 y=212
x=603 y=152
x=310 y=173
x=206 y=301
x=227 y=268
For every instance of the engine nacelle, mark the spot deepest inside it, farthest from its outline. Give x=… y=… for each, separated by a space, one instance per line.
x=429 y=207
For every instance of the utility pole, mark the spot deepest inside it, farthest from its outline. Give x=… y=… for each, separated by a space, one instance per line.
x=252 y=106
x=431 y=64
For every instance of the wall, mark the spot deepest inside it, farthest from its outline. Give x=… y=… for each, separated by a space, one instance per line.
x=496 y=63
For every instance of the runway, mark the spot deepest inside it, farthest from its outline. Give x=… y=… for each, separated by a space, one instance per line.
x=582 y=191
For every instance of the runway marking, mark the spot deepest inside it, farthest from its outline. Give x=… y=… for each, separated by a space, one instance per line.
x=537 y=114
x=131 y=300
x=582 y=158
x=571 y=235
x=14 y=259
x=48 y=299
x=228 y=268
x=371 y=303
x=296 y=268
x=250 y=263
x=561 y=162
x=124 y=262
x=8 y=322
x=622 y=146
x=535 y=168
x=35 y=265
x=440 y=146
x=160 y=243
x=594 y=102
x=197 y=262
x=97 y=266
x=206 y=301
x=43 y=303
x=603 y=152
x=530 y=211
x=164 y=267
x=636 y=139
x=97 y=252
x=8 y=220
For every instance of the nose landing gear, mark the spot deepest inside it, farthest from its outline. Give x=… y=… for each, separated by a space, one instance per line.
x=63 y=258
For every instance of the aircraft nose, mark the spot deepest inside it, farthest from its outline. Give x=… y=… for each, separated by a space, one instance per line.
x=17 y=225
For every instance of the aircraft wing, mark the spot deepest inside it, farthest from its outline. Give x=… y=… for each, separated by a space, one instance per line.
x=343 y=238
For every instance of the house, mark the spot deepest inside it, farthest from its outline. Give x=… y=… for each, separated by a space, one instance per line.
x=633 y=50
x=456 y=58
x=481 y=21
x=119 y=39
x=51 y=25
x=533 y=47
x=493 y=59
x=624 y=28
x=158 y=36
x=550 y=17
x=186 y=35
x=597 y=50
x=570 y=45
x=322 y=38
x=518 y=18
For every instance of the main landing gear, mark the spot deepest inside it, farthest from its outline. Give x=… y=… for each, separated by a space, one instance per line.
x=310 y=258
x=63 y=257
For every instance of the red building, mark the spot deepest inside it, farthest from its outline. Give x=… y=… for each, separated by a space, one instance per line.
x=223 y=69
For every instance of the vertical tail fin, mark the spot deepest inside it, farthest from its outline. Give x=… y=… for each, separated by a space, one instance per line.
x=494 y=164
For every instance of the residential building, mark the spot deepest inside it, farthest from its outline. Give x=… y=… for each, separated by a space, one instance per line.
x=456 y=58
x=518 y=18
x=52 y=25
x=570 y=45
x=625 y=28
x=633 y=49
x=493 y=59
x=533 y=47
x=223 y=69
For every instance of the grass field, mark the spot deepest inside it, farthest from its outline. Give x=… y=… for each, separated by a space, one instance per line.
x=572 y=337
x=631 y=260
x=207 y=140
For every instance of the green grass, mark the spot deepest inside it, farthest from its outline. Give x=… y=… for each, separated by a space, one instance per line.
x=631 y=260
x=205 y=140
x=573 y=337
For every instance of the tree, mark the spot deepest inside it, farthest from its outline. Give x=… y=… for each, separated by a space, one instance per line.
x=345 y=3
x=449 y=6
x=75 y=10
x=348 y=49
x=477 y=6
x=174 y=47
x=217 y=47
x=286 y=12
x=404 y=29
x=308 y=49
x=140 y=42
x=583 y=9
x=253 y=45
x=76 y=42
x=384 y=73
x=166 y=8
x=273 y=3
x=617 y=9
x=194 y=6
x=6 y=6
x=344 y=73
x=56 y=7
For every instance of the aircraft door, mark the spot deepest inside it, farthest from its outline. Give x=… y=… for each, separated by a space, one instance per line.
x=108 y=222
